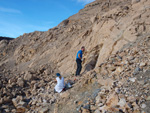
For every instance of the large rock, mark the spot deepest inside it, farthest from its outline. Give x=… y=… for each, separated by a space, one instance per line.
x=28 y=76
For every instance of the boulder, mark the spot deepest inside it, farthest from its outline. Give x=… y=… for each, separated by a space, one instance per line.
x=28 y=76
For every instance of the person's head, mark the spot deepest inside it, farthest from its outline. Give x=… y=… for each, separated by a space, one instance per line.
x=83 y=48
x=58 y=75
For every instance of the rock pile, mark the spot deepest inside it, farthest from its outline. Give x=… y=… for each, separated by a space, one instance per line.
x=125 y=79
x=26 y=91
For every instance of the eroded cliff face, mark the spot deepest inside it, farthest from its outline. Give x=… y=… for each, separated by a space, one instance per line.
x=104 y=27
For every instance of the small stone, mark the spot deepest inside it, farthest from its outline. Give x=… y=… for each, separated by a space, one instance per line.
x=87 y=106
x=47 y=72
x=135 y=106
x=130 y=58
x=112 y=68
x=23 y=104
x=16 y=101
x=132 y=79
x=142 y=64
x=92 y=107
x=43 y=110
x=98 y=99
x=135 y=1
x=10 y=81
x=117 y=90
x=103 y=109
x=136 y=71
x=20 y=82
x=20 y=110
x=1 y=101
x=65 y=94
x=148 y=98
x=100 y=104
x=112 y=100
x=129 y=105
x=143 y=106
x=28 y=76
x=85 y=111
x=122 y=102
x=136 y=111
x=6 y=99
x=7 y=110
x=141 y=82
x=5 y=106
x=143 y=112
x=119 y=69
x=97 y=111
x=13 y=110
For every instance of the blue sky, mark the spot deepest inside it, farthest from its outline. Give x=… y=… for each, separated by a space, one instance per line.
x=24 y=16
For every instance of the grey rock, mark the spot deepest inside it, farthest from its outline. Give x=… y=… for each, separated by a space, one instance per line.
x=20 y=82
x=86 y=106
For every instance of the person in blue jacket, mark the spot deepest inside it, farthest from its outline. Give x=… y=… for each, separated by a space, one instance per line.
x=79 y=60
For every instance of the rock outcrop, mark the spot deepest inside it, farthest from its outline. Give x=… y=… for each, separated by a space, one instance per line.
x=115 y=75
x=5 y=38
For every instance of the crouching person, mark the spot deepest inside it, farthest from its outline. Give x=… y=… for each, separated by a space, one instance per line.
x=60 y=86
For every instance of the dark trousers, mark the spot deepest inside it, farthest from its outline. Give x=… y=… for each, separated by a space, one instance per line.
x=79 y=66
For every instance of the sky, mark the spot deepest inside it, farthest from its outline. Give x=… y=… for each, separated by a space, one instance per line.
x=24 y=16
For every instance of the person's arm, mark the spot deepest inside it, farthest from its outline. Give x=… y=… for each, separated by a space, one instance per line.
x=63 y=80
x=55 y=81
x=79 y=56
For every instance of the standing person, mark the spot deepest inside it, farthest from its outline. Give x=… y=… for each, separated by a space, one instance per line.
x=79 y=60
x=60 y=83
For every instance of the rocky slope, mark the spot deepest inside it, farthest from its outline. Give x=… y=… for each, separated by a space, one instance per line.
x=116 y=63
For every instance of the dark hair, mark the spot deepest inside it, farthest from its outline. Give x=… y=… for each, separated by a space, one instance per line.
x=82 y=47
